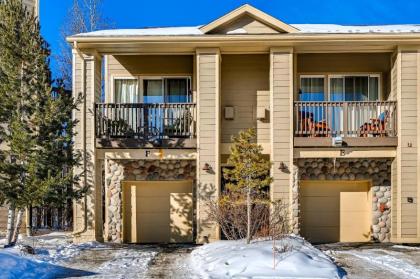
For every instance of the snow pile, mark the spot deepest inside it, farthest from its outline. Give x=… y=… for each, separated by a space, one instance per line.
x=50 y=249
x=16 y=266
x=227 y=259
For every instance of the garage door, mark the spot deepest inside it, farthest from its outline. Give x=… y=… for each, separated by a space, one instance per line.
x=157 y=211
x=335 y=211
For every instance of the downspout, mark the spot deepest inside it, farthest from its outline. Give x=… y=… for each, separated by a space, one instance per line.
x=83 y=125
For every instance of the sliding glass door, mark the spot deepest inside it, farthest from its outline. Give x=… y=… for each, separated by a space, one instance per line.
x=357 y=88
x=166 y=90
x=160 y=117
x=354 y=88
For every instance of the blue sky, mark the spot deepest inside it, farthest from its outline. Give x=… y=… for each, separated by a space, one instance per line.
x=150 y=13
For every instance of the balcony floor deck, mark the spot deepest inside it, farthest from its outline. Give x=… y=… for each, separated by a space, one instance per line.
x=131 y=143
x=347 y=142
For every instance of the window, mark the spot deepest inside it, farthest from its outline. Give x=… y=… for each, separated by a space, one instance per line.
x=153 y=91
x=126 y=91
x=166 y=90
x=177 y=90
x=311 y=88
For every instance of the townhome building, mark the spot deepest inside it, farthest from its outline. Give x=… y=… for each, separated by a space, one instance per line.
x=336 y=109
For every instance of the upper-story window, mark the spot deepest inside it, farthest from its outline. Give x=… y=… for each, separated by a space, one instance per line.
x=126 y=90
x=152 y=90
x=340 y=88
x=312 y=88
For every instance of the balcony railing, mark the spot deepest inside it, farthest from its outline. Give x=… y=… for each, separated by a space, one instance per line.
x=148 y=122
x=345 y=119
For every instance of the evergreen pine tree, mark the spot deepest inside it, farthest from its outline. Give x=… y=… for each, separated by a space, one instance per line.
x=36 y=122
x=250 y=172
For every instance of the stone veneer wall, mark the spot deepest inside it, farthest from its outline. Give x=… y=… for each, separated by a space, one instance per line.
x=117 y=171
x=376 y=170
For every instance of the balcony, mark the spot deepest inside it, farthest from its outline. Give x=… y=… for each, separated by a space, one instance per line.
x=358 y=123
x=138 y=125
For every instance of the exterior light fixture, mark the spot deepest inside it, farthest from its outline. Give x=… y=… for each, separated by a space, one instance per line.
x=282 y=166
x=207 y=167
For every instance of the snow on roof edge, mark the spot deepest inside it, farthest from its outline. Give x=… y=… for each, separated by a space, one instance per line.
x=304 y=29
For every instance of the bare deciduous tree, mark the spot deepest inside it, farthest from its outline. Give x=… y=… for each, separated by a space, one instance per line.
x=268 y=218
x=83 y=16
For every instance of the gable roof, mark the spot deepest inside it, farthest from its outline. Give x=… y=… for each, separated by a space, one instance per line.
x=252 y=12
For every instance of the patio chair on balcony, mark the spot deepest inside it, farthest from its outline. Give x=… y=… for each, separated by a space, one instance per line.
x=148 y=134
x=117 y=127
x=377 y=127
x=308 y=127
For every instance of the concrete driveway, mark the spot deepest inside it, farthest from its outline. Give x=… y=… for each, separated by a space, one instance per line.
x=365 y=261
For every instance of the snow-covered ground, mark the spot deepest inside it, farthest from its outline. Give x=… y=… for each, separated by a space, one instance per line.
x=295 y=258
x=377 y=260
x=57 y=256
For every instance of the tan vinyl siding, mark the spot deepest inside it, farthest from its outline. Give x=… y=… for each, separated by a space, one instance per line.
x=408 y=133
x=208 y=91
x=245 y=86
x=395 y=216
x=147 y=65
x=245 y=23
x=131 y=65
x=281 y=140
x=92 y=90
x=393 y=77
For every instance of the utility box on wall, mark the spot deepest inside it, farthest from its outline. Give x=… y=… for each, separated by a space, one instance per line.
x=229 y=113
